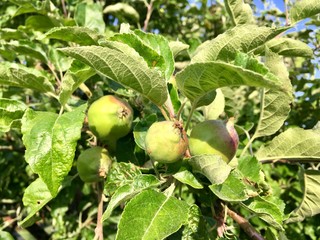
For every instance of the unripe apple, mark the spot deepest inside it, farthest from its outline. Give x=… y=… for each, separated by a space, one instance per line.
x=214 y=137
x=93 y=164
x=110 y=118
x=166 y=141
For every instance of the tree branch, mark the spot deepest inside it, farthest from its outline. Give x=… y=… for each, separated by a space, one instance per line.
x=245 y=225
x=149 y=12
x=99 y=227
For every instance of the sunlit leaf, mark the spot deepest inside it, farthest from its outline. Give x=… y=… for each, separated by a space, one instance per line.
x=242 y=38
x=129 y=71
x=211 y=166
x=186 y=177
x=35 y=197
x=151 y=215
x=90 y=15
x=275 y=104
x=290 y=47
x=269 y=210
x=216 y=108
x=122 y=11
x=17 y=75
x=10 y=111
x=239 y=12
x=50 y=140
x=128 y=191
x=177 y=47
x=120 y=174
x=73 y=78
x=310 y=204
x=294 y=144
x=195 y=228
x=79 y=35
x=198 y=79
x=303 y=9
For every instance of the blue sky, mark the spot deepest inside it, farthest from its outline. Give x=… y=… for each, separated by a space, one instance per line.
x=278 y=3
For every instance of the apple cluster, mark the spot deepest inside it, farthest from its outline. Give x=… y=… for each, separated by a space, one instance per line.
x=110 y=118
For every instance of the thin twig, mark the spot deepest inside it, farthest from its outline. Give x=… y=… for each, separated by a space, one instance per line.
x=149 y=12
x=51 y=67
x=65 y=13
x=287 y=12
x=245 y=225
x=99 y=227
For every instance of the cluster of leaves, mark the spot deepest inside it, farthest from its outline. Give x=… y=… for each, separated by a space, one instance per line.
x=56 y=57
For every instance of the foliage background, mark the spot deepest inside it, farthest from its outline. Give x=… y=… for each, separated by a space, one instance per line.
x=72 y=214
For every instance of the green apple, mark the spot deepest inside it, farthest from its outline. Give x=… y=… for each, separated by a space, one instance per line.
x=93 y=164
x=214 y=137
x=110 y=118
x=166 y=141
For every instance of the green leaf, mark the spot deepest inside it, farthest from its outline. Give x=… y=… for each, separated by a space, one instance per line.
x=120 y=174
x=10 y=111
x=41 y=23
x=161 y=45
x=216 y=108
x=198 y=79
x=27 y=49
x=205 y=99
x=294 y=144
x=275 y=105
x=17 y=75
x=195 y=228
x=270 y=210
x=174 y=96
x=90 y=15
x=5 y=235
x=60 y=61
x=242 y=38
x=141 y=128
x=186 y=177
x=177 y=47
x=127 y=191
x=310 y=204
x=79 y=35
x=11 y=33
x=129 y=71
x=239 y=12
x=151 y=215
x=249 y=167
x=35 y=197
x=304 y=9
x=240 y=184
x=290 y=47
x=42 y=7
x=211 y=166
x=77 y=74
x=50 y=141
x=232 y=189
x=122 y=11
x=151 y=56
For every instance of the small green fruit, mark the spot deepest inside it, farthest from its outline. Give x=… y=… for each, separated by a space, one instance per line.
x=93 y=164
x=214 y=137
x=110 y=118
x=166 y=141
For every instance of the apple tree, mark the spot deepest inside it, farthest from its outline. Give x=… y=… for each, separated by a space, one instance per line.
x=153 y=119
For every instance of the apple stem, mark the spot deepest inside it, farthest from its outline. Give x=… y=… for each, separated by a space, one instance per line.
x=190 y=116
x=164 y=113
x=155 y=169
x=99 y=227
